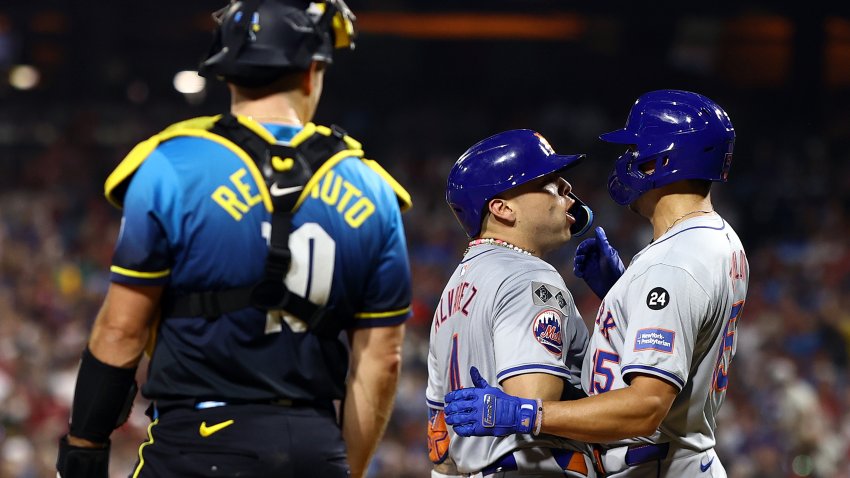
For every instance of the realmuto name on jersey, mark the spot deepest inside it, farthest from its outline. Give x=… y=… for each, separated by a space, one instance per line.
x=456 y=299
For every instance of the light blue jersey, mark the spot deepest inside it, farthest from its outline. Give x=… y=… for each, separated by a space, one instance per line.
x=195 y=219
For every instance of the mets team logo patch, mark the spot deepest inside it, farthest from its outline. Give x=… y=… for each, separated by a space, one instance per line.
x=547 y=330
x=660 y=340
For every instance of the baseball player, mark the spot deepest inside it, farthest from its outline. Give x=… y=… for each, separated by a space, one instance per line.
x=263 y=261
x=505 y=309
x=659 y=357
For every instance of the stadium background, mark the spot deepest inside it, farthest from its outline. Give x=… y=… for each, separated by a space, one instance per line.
x=426 y=81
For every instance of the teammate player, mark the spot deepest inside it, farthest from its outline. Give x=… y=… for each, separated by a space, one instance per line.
x=665 y=333
x=504 y=308
x=238 y=390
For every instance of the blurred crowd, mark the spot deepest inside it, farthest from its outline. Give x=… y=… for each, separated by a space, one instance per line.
x=787 y=411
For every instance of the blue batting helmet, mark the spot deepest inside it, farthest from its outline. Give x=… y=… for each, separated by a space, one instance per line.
x=502 y=162
x=686 y=135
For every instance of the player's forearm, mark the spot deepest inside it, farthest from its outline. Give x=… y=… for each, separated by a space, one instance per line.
x=368 y=405
x=611 y=416
x=370 y=393
x=105 y=383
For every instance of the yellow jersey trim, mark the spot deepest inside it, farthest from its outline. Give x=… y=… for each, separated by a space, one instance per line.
x=142 y=446
x=138 y=274
x=381 y=315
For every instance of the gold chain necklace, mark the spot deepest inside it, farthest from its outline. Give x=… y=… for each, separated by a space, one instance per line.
x=686 y=215
x=497 y=242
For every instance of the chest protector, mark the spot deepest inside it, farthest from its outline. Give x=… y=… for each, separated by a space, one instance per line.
x=289 y=172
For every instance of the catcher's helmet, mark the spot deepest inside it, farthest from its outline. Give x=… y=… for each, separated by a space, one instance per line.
x=687 y=135
x=258 y=40
x=502 y=162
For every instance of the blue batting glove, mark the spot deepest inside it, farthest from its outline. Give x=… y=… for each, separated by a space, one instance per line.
x=488 y=411
x=598 y=263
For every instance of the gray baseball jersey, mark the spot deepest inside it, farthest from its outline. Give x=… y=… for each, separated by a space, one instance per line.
x=674 y=314
x=508 y=314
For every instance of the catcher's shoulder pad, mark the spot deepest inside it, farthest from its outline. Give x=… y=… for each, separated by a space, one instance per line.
x=311 y=135
x=404 y=200
x=117 y=182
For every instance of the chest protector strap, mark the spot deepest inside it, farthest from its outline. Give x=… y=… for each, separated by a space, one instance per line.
x=289 y=172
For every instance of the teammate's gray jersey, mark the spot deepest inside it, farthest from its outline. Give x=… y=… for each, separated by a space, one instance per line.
x=508 y=314
x=674 y=314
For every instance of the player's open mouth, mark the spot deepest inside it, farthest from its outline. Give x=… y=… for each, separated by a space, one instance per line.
x=570 y=218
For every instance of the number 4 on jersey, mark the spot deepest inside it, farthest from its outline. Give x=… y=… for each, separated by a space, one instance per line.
x=454 y=367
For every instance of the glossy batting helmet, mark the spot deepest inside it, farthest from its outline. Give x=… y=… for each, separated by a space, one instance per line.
x=502 y=162
x=258 y=40
x=685 y=135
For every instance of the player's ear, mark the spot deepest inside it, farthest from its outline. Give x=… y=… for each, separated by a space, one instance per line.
x=312 y=77
x=502 y=210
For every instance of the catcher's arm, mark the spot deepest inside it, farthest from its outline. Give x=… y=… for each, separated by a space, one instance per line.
x=370 y=392
x=106 y=383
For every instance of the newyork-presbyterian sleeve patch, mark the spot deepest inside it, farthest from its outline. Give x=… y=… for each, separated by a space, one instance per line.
x=547 y=330
x=660 y=340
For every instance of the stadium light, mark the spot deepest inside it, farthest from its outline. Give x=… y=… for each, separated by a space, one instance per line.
x=189 y=83
x=24 y=77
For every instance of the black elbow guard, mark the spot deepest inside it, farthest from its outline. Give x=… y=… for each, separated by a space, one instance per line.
x=102 y=398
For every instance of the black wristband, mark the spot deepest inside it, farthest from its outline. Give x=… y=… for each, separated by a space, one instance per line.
x=102 y=398
x=78 y=462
